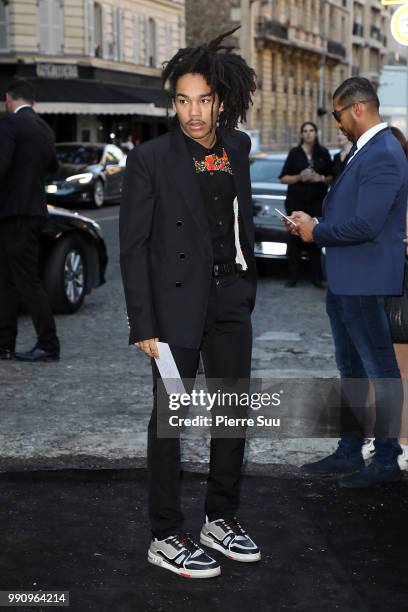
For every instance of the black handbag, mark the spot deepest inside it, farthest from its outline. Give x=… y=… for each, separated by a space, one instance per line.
x=396 y=307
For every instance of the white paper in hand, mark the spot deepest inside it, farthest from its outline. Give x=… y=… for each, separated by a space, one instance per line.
x=168 y=369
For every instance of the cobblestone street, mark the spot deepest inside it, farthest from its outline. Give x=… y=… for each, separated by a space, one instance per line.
x=91 y=409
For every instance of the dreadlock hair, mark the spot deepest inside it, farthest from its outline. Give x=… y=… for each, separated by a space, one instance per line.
x=226 y=73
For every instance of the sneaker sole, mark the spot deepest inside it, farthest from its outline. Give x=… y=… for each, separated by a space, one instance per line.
x=245 y=558
x=160 y=562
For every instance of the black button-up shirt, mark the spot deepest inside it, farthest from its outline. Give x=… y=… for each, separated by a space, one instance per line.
x=214 y=174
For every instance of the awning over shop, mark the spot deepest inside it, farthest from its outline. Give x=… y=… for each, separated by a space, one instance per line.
x=79 y=96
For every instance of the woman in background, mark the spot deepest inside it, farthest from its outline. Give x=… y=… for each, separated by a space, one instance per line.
x=340 y=159
x=307 y=172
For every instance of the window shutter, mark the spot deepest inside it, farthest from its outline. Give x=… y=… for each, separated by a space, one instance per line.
x=147 y=44
x=4 y=43
x=136 y=39
x=44 y=22
x=121 y=34
x=56 y=10
x=169 y=41
x=107 y=42
x=89 y=27
x=117 y=31
x=156 y=45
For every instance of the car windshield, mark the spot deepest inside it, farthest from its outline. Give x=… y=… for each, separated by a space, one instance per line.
x=69 y=154
x=266 y=170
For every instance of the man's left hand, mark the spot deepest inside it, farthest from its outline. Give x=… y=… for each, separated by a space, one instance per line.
x=305 y=230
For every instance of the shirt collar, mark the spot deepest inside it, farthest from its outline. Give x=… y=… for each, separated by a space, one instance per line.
x=369 y=134
x=198 y=150
x=22 y=106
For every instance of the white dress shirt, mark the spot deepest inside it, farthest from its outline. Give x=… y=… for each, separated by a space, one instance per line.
x=367 y=136
x=22 y=106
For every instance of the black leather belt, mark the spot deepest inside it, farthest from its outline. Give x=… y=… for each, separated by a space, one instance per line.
x=225 y=269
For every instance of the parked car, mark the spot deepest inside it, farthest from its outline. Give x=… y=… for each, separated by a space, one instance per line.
x=271 y=236
x=268 y=193
x=89 y=173
x=73 y=259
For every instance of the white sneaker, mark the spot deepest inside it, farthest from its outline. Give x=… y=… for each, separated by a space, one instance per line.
x=228 y=537
x=181 y=555
x=403 y=460
x=368 y=449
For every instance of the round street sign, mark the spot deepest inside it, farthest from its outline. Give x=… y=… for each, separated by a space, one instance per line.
x=399 y=25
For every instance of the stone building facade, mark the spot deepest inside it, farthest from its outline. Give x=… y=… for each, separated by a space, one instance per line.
x=95 y=65
x=301 y=50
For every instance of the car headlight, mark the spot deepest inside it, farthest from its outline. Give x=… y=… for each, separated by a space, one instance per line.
x=80 y=178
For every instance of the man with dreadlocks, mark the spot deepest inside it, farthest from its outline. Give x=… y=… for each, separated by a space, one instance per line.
x=189 y=276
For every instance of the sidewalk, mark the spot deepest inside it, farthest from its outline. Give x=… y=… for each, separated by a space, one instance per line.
x=323 y=548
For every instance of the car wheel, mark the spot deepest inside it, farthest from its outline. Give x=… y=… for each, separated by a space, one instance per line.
x=98 y=194
x=65 y=276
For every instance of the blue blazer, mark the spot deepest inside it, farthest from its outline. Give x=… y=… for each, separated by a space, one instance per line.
x=364 y=221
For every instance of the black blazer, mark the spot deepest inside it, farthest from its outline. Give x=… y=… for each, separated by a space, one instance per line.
x=27 y=154
x=165 y=242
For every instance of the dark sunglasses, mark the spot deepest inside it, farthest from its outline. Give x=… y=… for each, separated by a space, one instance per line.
x=337 y=114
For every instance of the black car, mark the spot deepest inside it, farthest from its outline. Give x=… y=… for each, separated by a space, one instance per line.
x=89 y=173
x=73 y=259
x=271 y=236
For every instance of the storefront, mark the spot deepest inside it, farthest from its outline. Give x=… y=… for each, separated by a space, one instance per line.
x=89 y=104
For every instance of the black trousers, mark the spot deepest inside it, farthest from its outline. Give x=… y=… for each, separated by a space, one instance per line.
x=19 y=281
x=295 y=248
x=226 y=352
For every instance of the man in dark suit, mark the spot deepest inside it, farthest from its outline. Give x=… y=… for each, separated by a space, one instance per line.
x=189 y=276
x=362 y=230
x=27 y=154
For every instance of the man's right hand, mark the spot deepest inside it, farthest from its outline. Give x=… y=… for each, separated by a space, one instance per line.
x=298 y=216
x=149 y=347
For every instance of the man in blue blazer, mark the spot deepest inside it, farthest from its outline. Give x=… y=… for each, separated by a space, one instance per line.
x=362 y=231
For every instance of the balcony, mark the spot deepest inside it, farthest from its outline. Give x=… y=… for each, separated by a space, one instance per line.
x=270 y=27
x=358 y=29
x=335 y=48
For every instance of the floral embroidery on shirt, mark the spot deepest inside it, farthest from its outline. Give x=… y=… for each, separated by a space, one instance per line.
x=213 y=163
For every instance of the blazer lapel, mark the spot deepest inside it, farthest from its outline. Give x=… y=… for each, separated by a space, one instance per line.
x=183 y=172
x=358 y=156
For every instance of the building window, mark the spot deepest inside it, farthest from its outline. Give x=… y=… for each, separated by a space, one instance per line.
x=4 y=20
x=169 y=41
x=98 y=43
x=117 y=28
x=150 y=42
x=51 y=27
x=137 y=39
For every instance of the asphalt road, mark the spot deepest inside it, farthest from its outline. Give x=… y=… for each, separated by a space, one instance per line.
x=91 y=408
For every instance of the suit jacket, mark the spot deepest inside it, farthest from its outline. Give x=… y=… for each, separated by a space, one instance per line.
x=27 y=154
x=364 y=221
x=165 y=241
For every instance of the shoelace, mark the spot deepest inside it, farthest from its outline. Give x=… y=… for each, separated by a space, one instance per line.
x=234 y=526
x=183 y=540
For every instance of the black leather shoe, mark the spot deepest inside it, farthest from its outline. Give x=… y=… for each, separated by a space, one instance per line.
x=38 y=354
x=6 y=354
x=318 y=284
x=291 y=283
x=337 y=463
x=371 y=475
